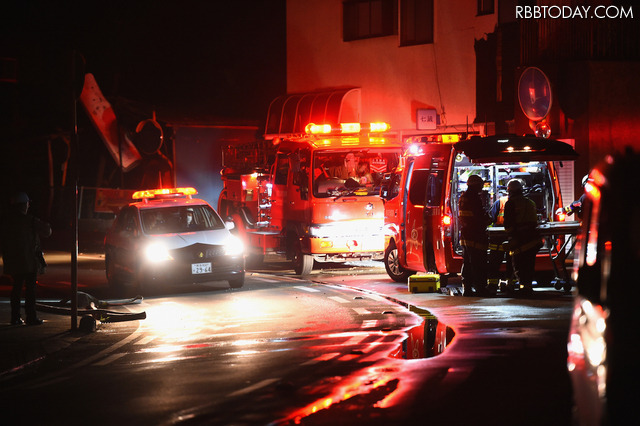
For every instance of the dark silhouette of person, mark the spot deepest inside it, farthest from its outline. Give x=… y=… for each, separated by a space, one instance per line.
x=473 y=219
x=20 y=248
x=497 y=250
x=520 y=222
x=576 y=206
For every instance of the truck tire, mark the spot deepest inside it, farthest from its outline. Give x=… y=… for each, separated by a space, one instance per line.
x=392 y=265
x=302 y=263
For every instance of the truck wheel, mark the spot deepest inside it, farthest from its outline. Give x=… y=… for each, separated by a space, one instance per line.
x=302 y=263
x=393 y=267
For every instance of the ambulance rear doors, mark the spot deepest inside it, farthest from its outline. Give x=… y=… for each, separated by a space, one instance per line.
x=422 y=206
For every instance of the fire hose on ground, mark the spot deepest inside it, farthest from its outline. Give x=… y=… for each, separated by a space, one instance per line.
x=94 y=309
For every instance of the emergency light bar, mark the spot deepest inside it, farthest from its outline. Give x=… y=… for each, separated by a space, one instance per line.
x=346 y=128
x=164 y=192
x=315 y=129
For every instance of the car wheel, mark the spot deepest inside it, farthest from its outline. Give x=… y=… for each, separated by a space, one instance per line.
x=393 y=267
x=237 y=282
x=302 y=263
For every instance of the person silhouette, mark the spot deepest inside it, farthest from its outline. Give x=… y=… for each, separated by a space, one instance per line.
x=20 y=248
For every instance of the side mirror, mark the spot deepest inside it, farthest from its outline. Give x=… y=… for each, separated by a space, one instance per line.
x=230 y=225
x=384 y=187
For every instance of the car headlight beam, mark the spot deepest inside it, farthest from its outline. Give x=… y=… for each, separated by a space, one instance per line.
x=234 y=246
x=157 y=253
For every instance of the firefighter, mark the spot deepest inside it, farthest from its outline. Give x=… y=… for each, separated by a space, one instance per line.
x=520 y=222
x=473 y=219
x=349 y=168
x=353 y=169
x=364 y=176
x=22 y=256
x=497 y=248
x=576 y=206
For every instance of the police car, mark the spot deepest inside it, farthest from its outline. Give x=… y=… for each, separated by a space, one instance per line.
x=166 y=236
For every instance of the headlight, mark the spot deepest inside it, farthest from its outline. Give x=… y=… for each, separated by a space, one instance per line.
x=354 y=228
x=234 y=246
x=157 y=253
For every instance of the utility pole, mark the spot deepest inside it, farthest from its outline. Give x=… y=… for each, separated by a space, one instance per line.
x=77 y=77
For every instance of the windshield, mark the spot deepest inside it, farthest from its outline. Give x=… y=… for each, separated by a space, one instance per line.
x=355 y=172
x=171 y=220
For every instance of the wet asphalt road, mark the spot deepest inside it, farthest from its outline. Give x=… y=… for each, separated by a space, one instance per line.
x=505 y=365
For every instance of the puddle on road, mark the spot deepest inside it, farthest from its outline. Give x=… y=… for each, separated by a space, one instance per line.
x=427 y=339
x=377 y=387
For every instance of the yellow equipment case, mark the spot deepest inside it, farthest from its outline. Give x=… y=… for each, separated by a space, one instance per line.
x=429 y=283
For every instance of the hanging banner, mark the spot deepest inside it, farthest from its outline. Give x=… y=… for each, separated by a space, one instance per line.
x=104 y=119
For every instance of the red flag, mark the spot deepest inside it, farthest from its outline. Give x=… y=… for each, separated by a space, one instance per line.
x=105 y=121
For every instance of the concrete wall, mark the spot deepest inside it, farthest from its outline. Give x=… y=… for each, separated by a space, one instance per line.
x=395 y=80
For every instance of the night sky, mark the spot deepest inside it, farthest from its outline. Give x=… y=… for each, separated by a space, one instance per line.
x=191 y=61
x=193 y=58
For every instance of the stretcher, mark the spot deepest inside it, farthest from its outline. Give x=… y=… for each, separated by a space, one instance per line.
x=552 y=232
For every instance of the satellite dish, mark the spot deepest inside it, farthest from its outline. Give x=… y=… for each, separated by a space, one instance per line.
x=534 y=94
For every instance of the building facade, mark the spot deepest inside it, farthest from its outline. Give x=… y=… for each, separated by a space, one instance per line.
x=414 y=61
x=435 y=66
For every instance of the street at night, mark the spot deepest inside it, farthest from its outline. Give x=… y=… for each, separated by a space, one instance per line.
x=277 y=212
x=283 y=350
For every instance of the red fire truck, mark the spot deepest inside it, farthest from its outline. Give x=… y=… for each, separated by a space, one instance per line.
x=421 y=198
x=311 y=197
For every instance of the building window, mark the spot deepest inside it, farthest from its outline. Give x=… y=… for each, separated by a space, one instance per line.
x=485 y=7
x=416 y=22
x=369 y=18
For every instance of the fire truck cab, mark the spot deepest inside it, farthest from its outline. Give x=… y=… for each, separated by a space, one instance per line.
x=312 y=197
x=421 y=197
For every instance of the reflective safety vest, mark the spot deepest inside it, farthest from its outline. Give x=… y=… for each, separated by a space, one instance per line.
x=500 y=217
x=499 y=221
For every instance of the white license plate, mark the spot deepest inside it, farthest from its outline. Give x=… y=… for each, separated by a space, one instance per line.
x=201 y=268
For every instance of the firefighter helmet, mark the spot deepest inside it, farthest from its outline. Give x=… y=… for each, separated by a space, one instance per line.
x=515 y=187
x=475 y=182
x=19 y=198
